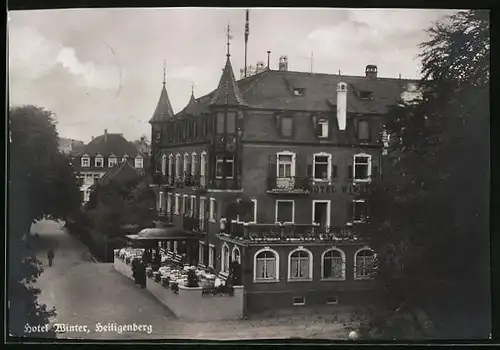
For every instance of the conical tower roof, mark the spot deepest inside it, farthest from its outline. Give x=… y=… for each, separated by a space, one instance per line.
x=164 y=109
x=227 y=92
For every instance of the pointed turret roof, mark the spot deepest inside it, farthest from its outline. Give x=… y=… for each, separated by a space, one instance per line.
x=164 y=109
x=227 y=92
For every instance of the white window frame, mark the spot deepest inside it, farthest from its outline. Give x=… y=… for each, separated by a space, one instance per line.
x=225 y=256
x=169 y=245
x=356 y=277
x=292 y=164
x=201 y=253
x=177 y=165
x=185 y=207
x=293 y=279
x=164 y=164
x=328 y=208
x=170 y=165
x=139 y=162
x=233 y=255
x=277 y=267
x=176 y=246
x=185 y=164
x=161 y=200
x=331 y=302
x=221 y=160
x=324 y=128
x=369 y=171
x=203 y=163
x=99 y=158
x=354 y=210
x=85 y=161
x=176 y=203
x=112 y=161
x=211 y=255
x=328 y=166
x=212 y=217
x=193 y=163
x=192 y=206
x=201 y=209
x=276 y=210
x=342 y=254
x=169 y=203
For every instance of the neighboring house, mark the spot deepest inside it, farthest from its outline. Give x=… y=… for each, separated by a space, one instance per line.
x=302 y=147
x=70 y=146
x=102 y=154
x=143 y=145
x=121 y=172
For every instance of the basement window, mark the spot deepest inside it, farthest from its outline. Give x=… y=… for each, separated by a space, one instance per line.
x=298 y=91
x=332 y=300
x=299 y=301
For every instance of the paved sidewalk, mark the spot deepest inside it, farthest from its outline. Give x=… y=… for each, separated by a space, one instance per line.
x=87 y=293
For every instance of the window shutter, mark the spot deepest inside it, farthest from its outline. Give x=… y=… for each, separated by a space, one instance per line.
x=334 y=171
x=216 y=258
x=375 y=172
x=349 y=172
x=309 y=166
x=272 y=165
x=350 y=211
x=205 y=254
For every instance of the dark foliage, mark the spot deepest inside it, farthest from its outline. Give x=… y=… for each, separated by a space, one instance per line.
x=192 y=279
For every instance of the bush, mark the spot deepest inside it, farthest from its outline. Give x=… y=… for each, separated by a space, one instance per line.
x=220 y=290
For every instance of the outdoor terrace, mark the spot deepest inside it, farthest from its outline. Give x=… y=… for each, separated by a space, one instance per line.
x=288 y=233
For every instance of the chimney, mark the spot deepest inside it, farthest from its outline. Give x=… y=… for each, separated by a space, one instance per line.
x=371 y=71
x=268 y=58
x=283 y=63
x=105 y=135
x=341 y=105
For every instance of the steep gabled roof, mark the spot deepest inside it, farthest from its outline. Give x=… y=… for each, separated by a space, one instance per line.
x=228 y=92
x=272 y=89
x=123 y=171
x=164 y=109
x=108 y=144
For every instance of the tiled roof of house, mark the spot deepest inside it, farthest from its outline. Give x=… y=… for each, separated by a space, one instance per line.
x=122 y=171
x=110 y=144
x=164 y=109
x=273 y=89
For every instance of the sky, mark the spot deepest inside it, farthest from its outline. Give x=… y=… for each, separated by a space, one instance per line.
x=102 y=69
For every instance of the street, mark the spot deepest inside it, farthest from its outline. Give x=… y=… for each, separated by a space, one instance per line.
x=85 y=293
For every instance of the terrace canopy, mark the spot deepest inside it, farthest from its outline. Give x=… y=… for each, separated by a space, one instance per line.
x=171 y=233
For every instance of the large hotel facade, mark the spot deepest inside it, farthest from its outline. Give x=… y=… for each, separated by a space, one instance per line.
x=301 y=148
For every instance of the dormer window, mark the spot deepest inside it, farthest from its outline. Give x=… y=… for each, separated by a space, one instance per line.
x=112 y=161
x=139 y=162
x=99 y=161
x=366 y=95
x=298 y=91
x=85 y=161
x=322 y=129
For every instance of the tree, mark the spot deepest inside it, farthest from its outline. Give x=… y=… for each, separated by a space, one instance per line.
x=41 y=184
x=429 y=212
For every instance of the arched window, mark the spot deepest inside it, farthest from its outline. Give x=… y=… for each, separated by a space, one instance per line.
x=225 y=258
x=236 y=254
x=333 y=265
x=300 y=265
x=186 y=164
x=170 y=165
x=266 y=265
x=164 y=164
x=193 y=163
x=177 y=165
x=364 y=263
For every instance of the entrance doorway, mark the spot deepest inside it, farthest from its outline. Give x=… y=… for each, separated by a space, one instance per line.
x=321 y=213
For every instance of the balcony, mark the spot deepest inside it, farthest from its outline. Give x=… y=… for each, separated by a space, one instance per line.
x=289 y=185
x=161 y=180
x=195 y=224
x=288 y=233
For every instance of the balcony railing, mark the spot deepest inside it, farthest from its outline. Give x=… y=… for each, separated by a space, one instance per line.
x=292 y=184
x=195 y=224
x=288 y=232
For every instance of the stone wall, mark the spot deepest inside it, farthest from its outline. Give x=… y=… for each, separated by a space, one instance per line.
x=189 y=304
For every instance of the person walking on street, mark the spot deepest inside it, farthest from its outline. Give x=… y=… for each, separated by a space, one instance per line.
x=50 y=256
